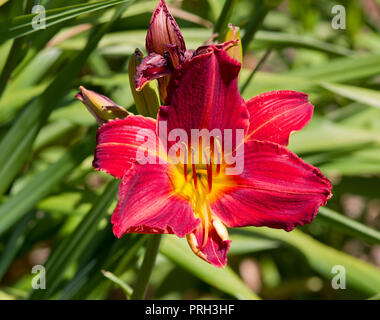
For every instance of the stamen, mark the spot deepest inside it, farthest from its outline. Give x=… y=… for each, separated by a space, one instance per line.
x=205 y=226
x=218 y=154
x=185 y=171
x=205 y=210
x=209 y=172
x=209 y=177
x=220 y=229
x=194 y=171
x=217 y=169
x=192 y=240
x=185 y=161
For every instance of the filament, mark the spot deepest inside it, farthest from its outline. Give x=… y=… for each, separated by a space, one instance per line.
x=185 y=161
x=193 y=169
x=218 y=154
x=209 y=171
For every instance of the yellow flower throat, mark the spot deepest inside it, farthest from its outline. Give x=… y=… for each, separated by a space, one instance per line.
x=200 y=185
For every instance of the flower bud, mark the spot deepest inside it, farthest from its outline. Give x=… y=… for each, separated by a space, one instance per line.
x=146 y=98
x=163 y=31
x=235 y=51
x=101 y=107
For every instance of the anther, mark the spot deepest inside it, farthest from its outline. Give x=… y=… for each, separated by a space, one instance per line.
x=220 y=229
x=192 y=240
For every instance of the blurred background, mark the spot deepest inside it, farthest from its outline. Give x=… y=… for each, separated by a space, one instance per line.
x=55 y=209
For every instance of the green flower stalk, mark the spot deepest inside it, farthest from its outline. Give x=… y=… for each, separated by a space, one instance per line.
x=147 y=99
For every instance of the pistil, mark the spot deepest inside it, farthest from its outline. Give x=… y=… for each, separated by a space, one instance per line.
x=204 y=212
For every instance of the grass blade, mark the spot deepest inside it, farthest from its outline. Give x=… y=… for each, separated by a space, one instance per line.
x=18 y=205
x=126 y=288
x=322 y=258
x=75 y=245
x=14 y=244
x=283 y=40
x=22 y=25
x=363 y=95
x=224 y=279
x=224 y=18
x=147 y=267
x=258 y=17
x=348 y=225
x=258 y=66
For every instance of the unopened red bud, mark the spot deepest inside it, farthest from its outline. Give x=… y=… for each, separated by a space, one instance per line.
x=163 y=31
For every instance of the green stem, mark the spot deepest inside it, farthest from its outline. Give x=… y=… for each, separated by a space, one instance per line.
x=147 y=267
x=261 y=10
x=223 y=20
x=258 y=66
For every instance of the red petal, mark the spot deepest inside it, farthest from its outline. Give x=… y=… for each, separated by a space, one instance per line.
x=203 y=93
x=221 y=46
x=147 y=204
x=275 y=115
x=276 y=189
x=215 y=250
x=163 y=31
x=117 y=143
x=151 y=67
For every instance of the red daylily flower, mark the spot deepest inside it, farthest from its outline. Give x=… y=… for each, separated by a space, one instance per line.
x=275 y=187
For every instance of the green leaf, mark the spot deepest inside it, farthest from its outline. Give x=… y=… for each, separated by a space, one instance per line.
x=243 y=245
x=14 y=244
x=223 y=279
x=348 y=225
x=9 y=105
x=42 y=184
x=22 y=25
x=77 y=243
x=120 y=257
x=316 y=137
x=261 y=9
x=323 y=258
x=147 y=266
x=124 y=286
x=342 y=69
x=283 y=40
x=67 y=203
x=363 y=95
